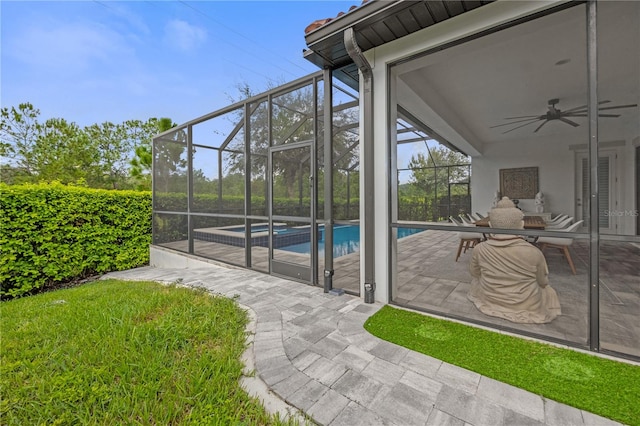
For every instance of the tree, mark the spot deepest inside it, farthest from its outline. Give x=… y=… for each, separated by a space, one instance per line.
x=170 y=164
x=19 y=128
x=434 y=171
x=438 y=186
x=63 y=152
x=114 y=147
x=291 y=121
x=34 y=151
x=142 y=162
x=99 y=155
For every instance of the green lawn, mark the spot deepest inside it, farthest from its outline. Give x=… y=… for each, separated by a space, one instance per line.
x=114 y=352
x=602 y=386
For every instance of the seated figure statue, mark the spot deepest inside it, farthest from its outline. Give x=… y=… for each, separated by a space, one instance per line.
x=510 y=275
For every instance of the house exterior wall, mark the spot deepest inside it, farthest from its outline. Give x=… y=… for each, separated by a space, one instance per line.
x=406 y=277
x=453 y=29
x=381 y=179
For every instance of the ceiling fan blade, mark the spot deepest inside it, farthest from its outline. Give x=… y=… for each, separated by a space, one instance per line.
x=540 y=126
x=599 y=109
x=583 y=107
x=522 y=125
x=618 y=107
x=514 y=122
x=573 y=114
x=565 y=120
x=523 y=116
x=585 y=115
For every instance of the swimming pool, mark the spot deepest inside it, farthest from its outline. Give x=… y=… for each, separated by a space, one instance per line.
x=346 y=239
x=234 y=235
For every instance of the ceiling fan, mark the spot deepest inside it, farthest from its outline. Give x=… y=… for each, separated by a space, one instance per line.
x=554 y=113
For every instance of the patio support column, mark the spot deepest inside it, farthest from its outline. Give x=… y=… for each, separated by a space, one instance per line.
x=328 y=178
x=220 y=203
x=366 y=137
x=153 y=190
x=594 y=231
x=190 y=189
x=247 y=185
x=314 y=183
x=348 y=193
x=269 y=179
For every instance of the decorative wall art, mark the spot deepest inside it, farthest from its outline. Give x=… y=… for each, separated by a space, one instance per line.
x=520 y=183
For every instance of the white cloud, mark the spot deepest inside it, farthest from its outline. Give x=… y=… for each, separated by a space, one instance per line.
x=183 y=36
x=128 y=20
x=68 y=47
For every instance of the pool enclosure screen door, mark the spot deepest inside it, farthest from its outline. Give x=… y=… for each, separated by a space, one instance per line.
x=292 y=228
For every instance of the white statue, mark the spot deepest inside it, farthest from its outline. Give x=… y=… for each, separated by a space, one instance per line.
x=496 y=198
x=539 y=202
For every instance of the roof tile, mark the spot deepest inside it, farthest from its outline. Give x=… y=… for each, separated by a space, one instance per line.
x=320 y=22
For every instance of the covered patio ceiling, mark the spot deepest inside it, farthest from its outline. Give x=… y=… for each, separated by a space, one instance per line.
x=515 y=72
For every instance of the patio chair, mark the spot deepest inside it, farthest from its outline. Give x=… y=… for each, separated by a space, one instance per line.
x=466 y=220
x=467 y=239
x=557 y=219
x=561 y=243
x=560 y=225
x=476 y=216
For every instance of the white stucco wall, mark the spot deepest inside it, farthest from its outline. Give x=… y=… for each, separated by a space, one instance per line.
x=381 y=184
x=554 y=158
x=456 y=28
x=555 y=163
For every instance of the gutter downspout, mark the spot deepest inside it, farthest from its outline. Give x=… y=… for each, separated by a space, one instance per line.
x=366 y=139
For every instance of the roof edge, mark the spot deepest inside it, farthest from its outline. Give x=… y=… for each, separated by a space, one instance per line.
x=330 y=26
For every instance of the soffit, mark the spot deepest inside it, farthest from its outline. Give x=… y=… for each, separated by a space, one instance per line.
x=376 y=22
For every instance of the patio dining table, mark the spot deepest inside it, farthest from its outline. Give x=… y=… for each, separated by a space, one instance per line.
x=530 y=222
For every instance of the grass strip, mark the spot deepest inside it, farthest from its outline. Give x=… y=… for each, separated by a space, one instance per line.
x=114 y=352
x=602 y=386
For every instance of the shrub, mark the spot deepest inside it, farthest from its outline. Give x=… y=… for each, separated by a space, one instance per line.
x=53 y=233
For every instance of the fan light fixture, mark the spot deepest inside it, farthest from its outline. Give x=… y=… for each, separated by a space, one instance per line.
x=554 y=113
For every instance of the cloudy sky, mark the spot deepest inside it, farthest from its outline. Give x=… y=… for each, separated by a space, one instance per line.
x=96 y=61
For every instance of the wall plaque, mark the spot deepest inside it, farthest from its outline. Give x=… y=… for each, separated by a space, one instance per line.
x=520 y=183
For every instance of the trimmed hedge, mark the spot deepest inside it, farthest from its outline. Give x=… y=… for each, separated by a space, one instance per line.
x=53 y=233
x=234 y=204
x=430 y=209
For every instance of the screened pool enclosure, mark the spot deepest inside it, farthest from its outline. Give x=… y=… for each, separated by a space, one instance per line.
x=366 y=207
x=246 y=185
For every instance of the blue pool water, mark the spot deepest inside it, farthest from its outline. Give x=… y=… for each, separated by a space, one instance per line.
x=346 y=239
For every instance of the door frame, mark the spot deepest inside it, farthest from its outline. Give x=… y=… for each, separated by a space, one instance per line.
x=291 y=270
x=637 y=183
x=614 y=188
